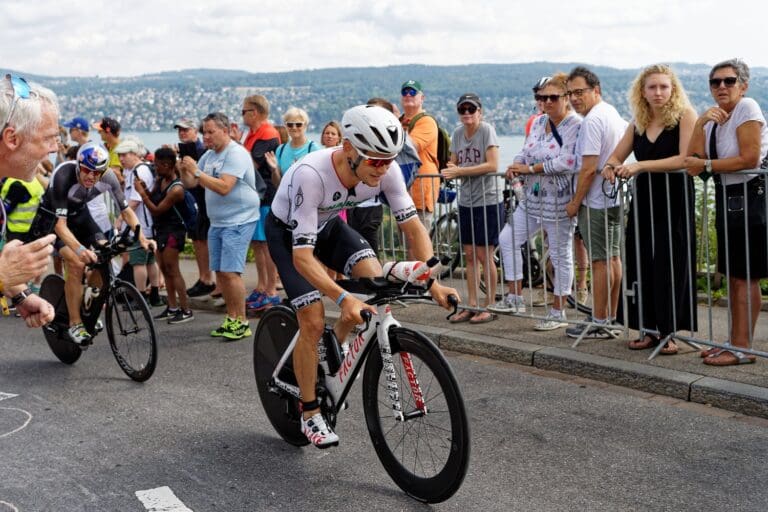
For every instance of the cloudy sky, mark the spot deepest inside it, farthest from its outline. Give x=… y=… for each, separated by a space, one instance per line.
x=127 y=38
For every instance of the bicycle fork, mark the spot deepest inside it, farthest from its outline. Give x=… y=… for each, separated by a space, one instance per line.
x=389 y=370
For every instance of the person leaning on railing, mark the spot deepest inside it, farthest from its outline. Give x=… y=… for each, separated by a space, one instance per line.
x=729 y=137
x=660 y=231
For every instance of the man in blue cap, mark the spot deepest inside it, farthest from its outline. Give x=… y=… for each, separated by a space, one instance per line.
x=78 y=134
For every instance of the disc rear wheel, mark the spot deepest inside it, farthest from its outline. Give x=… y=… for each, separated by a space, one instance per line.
x=52 y=290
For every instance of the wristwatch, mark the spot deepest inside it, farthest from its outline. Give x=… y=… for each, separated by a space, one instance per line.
x=708 y=165
x=20 y=297
x=197 y=174
x=531 y=169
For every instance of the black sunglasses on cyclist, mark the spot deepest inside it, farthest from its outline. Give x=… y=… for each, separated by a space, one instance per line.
x=91 y=171
x=729 y=81
x=544 y=97
x=467 y=109
x=21 y=91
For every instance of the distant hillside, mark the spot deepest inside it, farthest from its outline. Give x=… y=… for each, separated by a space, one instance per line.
x=153 y=102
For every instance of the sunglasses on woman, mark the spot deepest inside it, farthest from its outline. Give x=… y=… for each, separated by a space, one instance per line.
x=544 y=97
x=294 y=125
x=20 y=91
x=729 y=81
x=467 y=109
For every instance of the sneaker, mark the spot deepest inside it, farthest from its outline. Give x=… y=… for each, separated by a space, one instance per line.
x=79 y=335
x=264 y=302
x=237 y=330
x=219 y=331
x=318 y=432
x=167 y=313
x=181 y=316
x=551 y=322
x=218 y=302
x=200 y=288
x=582 y=296
x=603 y=331
x=255 y=296
x=509 y=304
x=543 y=298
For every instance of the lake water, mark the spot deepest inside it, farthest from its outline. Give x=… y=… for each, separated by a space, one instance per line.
x=509 y=146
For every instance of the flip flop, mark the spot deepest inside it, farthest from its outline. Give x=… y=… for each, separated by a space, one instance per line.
x=462 y=316
x=647 y=341
x=480 y=318
x=729 y=358
x=670 y=348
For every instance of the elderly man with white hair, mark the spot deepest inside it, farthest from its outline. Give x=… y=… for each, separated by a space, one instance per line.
x=30 y=129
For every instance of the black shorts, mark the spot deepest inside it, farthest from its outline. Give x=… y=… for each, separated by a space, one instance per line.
x=338 y=247
x=366 y=221
x=479 y=225
x=84 y=228
x=170 y=240
x=200 y=232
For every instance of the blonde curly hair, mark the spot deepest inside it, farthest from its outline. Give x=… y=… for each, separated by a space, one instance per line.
x=671 y=112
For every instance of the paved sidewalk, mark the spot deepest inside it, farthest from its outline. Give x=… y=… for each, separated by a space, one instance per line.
x=742 y=388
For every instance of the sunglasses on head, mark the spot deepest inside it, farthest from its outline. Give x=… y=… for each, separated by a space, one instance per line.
x=20 y=91
x=374 y=162
x=544 y=97
x=729 y=81
x=409 y=92
x=467 y=109
x=294 y=125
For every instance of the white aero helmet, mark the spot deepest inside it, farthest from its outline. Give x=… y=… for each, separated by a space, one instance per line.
x=373 y=129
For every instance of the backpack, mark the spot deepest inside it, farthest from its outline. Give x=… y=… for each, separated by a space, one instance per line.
x=188 y=211
x=443 y=141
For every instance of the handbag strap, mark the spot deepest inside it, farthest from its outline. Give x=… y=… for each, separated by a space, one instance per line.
x=713 y=151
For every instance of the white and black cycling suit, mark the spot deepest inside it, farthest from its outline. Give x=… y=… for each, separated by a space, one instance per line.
x=67 y=198
x=305 y=214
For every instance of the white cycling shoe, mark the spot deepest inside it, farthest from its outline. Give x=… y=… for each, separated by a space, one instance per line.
x=318 y=432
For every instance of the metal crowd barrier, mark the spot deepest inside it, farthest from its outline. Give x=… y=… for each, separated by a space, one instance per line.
x=692 y=322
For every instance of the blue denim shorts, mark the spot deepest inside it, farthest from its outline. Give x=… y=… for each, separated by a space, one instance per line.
x=228 y=247
x=260 y=234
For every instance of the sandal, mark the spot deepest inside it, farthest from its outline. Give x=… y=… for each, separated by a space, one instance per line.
x=482 y=318
x=670 y=348
x=711 y=351
x=729 y=358
x=647 y=341
x=462 y=316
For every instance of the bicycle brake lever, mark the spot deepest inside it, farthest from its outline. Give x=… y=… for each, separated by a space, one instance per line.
x=366 y=315
x=453 y=301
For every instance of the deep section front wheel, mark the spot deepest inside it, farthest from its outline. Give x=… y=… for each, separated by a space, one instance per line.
x=426 y=452
x=131 y=332
x=52 y=290
x=277 y=328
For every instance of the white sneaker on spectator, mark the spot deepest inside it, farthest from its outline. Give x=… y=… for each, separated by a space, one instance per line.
x=551 y=322
x=509 y=304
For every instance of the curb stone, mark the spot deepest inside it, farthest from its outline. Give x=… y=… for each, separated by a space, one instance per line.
x=734 y=396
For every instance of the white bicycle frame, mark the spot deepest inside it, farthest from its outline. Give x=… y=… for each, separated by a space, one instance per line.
x=338 y=385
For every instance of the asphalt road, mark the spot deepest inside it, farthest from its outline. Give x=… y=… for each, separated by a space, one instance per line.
x=86 y=438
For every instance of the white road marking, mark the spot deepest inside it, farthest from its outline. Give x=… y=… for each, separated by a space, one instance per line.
x=26 y=422
x=9 y=505
x=161 y=499
x=3 y=396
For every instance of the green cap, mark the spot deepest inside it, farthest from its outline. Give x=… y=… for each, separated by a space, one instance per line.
x=412 y=84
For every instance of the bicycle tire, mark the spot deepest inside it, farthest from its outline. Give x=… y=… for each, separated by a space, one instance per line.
x=445 y=240
x=276 y=329
x=52 y=290
x=448 y=458
x=131 y=332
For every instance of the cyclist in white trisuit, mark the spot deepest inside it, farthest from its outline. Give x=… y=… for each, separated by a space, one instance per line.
x=303 y=231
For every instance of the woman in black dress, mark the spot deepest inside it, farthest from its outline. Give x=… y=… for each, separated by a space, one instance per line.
x=660 y=264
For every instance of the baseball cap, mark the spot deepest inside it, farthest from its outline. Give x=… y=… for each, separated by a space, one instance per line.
x=469 y=97
x=412 y=84
x=128 y=146
x=184 y=122
x=108 y=124
x=77 y=122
